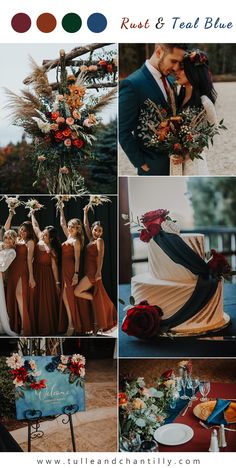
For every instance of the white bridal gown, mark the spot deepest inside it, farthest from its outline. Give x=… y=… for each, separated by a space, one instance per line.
x=199 y=166
x=6 y=258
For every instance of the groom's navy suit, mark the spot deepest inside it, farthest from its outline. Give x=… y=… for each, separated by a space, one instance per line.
x=134 y=91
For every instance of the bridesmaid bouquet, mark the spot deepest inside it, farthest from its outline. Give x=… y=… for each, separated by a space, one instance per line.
x=185 y=134
x=96 y=200
x=33 y=205
x=61 y=200
x=12 y=202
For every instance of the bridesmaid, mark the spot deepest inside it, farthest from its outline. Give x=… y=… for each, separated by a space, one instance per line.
x=77 y=310
x=91 y=285
x=47 y=260
x=21 y=281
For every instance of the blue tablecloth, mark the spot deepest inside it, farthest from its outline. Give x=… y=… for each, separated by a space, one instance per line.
x=222 y=344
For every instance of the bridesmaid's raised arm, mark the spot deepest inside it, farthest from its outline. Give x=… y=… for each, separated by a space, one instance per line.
x=86 y=224
x=35 y=225
x=7 y=224
x=63 y=222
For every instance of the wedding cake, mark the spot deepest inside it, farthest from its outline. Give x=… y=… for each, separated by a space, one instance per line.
x=175 y=288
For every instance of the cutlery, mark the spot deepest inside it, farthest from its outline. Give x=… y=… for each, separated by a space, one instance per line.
x=215 y=425
x=187 y=407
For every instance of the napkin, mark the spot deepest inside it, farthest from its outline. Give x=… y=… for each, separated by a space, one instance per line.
x=217 y=416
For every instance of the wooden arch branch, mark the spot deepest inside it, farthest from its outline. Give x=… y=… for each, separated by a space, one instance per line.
x=76 y=52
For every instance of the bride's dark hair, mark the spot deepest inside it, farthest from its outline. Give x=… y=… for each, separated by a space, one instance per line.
x=195 y=65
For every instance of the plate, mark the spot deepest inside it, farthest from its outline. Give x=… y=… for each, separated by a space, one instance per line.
x=204 y=410
x=173 y=434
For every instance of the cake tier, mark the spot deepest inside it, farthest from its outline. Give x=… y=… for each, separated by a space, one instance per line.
x=209 y=318
x=162 y=267
x=171 y=296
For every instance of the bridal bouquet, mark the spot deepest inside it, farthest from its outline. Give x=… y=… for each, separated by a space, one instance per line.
x=187 y=133
x=62 y=125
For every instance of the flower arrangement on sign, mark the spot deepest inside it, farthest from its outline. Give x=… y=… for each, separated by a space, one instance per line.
x=73 y=365
x=150 y=224
x=62 y=124
x=25 y=375
x=187 y=133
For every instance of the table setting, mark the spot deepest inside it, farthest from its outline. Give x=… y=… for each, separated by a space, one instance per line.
x=181 y=412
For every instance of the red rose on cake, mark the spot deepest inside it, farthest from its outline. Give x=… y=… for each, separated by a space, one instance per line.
x=154 y=217
x=142 y=320
x=218 y=265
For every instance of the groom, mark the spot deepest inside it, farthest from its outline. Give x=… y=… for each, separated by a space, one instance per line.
x=150 y=81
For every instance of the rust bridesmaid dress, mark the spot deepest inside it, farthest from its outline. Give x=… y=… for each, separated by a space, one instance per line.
x=19 y=270
x=105 y=314
x=46 y=297
x=81 y=312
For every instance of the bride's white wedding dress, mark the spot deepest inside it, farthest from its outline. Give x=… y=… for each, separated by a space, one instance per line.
x=6 y=258
x=199 y=166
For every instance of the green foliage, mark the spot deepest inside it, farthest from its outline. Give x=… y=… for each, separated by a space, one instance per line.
x=101 y=173
x=213 y=200
x=7 y=391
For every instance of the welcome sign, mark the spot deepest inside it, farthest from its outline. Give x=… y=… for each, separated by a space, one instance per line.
x=46 y=386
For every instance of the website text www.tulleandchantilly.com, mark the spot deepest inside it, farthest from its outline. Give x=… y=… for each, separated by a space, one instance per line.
x=125 y=460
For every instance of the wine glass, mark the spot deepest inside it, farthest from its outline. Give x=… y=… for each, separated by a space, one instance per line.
x=204 y=388
x=184 y=382
x=194 y=384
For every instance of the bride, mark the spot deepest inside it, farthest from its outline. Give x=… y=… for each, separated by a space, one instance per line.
x=197 y=91
x=7 y=255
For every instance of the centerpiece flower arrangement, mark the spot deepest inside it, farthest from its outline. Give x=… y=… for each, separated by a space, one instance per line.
x=62 y=124
x=73 y=365
x=25 y=375
x=142 y=410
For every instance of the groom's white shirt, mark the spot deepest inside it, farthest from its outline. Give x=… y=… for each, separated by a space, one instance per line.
x=157 y=77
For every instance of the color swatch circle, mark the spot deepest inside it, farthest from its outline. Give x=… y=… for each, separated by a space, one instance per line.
x=21 y=23
x=71 y=22
x=46 y=22
x=97 y=22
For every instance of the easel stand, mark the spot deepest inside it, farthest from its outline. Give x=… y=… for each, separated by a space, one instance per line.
x=33 y=420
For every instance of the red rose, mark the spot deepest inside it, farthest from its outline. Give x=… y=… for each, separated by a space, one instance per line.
x=189 y=137
x=177 y=147
x=218 y=264
x=55 y=115
x=167 y=374
x=102 y=63
x=109 y=68
x=145 y=236
x=20 y=374
x=154 y=217
x=59 y=136
x=154 y=229
x=78 y=143
x=38 y=385
x=123 y=400
x=142 y=321
x=66 y=132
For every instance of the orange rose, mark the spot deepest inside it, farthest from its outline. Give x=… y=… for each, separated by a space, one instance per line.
x=123 y=400
x=66 y=132
x=55 y=115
